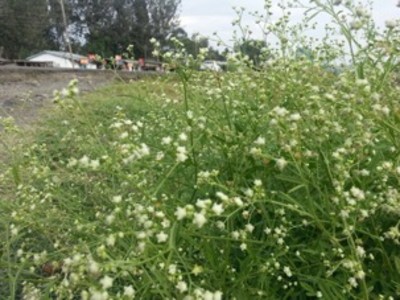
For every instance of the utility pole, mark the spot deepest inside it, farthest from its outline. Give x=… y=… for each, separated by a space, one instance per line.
x=66 y=38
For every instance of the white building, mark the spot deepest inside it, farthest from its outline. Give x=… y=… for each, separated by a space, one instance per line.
x=62 y=60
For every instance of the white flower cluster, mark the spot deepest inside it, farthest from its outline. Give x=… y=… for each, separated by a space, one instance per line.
x=84 y=162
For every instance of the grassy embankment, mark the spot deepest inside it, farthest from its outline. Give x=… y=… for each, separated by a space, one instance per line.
x=255 y=185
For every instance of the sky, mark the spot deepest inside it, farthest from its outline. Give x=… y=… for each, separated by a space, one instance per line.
x=209 y=16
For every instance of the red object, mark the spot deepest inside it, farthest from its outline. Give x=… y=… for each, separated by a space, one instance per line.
x=141 y=62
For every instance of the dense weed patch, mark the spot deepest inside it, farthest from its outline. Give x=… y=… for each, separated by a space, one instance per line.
x=275 y=182
x=255 y=187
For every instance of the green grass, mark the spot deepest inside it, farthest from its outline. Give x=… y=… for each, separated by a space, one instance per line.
x=256 y=185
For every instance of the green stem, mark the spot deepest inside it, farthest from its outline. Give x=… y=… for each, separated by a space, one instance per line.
x=184 y=79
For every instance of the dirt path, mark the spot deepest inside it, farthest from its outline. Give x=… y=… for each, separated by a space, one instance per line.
x=25 y=91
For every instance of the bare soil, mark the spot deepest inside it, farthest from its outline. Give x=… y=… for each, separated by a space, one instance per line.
x=24 y=92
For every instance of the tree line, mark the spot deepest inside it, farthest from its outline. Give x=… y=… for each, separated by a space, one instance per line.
x=104 y=27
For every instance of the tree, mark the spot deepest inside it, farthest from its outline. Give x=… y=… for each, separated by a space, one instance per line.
x=163 y=18
x=109 y=26
x=23 y=27
x=194 y=43
x=251 y=48
x=57 y=33
x=105 y=27
x=141 y=30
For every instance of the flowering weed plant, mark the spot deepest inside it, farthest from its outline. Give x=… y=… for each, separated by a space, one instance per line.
x=279 y=183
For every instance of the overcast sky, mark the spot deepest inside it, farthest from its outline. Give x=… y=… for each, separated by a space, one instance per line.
x=208 y=16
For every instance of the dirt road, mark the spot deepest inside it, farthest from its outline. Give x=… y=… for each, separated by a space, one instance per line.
x=25 y=91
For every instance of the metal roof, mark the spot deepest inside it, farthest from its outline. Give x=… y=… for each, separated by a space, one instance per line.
x=60 y=54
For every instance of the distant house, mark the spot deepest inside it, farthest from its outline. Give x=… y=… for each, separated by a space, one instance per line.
x=63 y=60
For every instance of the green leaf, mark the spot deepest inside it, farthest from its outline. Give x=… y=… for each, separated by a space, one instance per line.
x=397 y=263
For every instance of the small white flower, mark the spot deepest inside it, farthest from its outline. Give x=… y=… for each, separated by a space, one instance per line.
x=361 y=82
x=357 y=193
x=238 y=201
x=183 y=136
x=217 y=295
x=95 y=164
x=360 y=274
x=295 y=117
x=172 y=269
x=93 y=267
x=281 y=163
x=280 y=111
x=207 y=295
x=144 y=150
x=180 y=213
x=353 y=282
x=222 y=196
x=235 y=234
x=84 y=161
x=257 y=182
x=199 y=219
x=106 y=282
x=96 y=295
x=203 y=204
x=255 y=151
x=243 y=246
x=220 y=225
x=189 y=114
x=110 y=219
x=124 y=135
x=356 y=24
x=287 y=271
x=385 y=110
x=162 y=237
x=360 y=251
x=218 y=209
x=249 y=227
x=72 y=162
x=361 y=12
x=260 y=141
x=181 y=154
x=197 y=270
x=160 y=155
x=64 y=92
x=75 y=90
x=166 y=140
x=129 y=291
x=14 y=230
x=110 y=241
x=182 y=286
x=117 y=199
x=249 y=192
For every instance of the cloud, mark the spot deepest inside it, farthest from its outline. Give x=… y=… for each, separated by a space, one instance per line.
x=209 y=16
x=210 y=23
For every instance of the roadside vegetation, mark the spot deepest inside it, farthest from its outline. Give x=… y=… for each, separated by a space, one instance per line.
x=275 y=181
